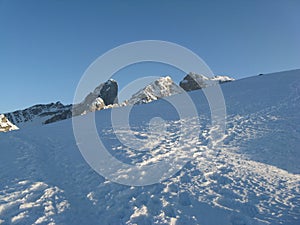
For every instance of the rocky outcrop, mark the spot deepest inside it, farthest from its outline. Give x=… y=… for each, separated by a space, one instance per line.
x=103 y=95
x=6 y=125
x=37 y=113
x=158 y=89
x=60 y=116
x=108 y=92
x=193 y=81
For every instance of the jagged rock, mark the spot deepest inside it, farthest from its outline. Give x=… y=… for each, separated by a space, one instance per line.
x=6 y=125
x=158 y=89
x=193 y=81
x=103 y=95
x=109 y=92
x=61 y=116
x=37 y=113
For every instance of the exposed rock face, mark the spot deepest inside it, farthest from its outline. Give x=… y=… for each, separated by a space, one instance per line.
x=158 y=89
x=60 y=116
x=194 y=81
x=106 y=96
x=37 y=113
x=103 y=95
x=6 y=125
x=109 y=92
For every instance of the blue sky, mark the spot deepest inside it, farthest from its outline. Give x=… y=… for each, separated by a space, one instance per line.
x=45 y=46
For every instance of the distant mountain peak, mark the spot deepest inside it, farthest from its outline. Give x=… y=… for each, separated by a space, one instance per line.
x=160 y=88
x=108 y=91
x=36 y=114
x=105 y=96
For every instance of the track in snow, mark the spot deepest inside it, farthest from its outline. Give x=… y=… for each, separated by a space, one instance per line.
x=252 y=178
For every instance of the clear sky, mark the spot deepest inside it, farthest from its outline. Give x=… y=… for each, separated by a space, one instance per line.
x=46 y=45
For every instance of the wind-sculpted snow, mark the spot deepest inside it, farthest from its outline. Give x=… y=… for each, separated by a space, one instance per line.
x=248 y=176
x=36 y=202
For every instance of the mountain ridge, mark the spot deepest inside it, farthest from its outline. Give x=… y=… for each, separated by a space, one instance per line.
x=105 y=96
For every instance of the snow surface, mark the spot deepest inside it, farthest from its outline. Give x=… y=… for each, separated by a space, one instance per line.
x=252 y=178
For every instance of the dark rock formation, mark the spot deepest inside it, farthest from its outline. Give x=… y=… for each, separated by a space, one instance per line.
x=103 y=95
x=193 y=81
x=60 y=116
x=109 y=92
x=41 y=111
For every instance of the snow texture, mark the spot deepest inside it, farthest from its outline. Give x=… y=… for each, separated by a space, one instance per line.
x=252 y=178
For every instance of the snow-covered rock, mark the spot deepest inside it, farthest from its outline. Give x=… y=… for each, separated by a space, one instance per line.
x=193 y=81
x=162 y=87
x=97 y=104
x=222 y=79
x=6 y=125
x=103 y=95
x=39 y=114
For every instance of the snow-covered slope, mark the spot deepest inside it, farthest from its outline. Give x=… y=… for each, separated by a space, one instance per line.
x=162 y=87
x=252 y=178
x=6 y=125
